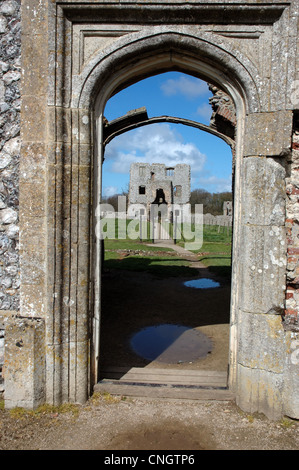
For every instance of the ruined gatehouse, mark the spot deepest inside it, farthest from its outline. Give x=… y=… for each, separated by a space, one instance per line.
x=158 y=184
x=60 y=63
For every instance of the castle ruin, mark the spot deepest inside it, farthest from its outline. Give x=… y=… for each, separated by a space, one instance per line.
x=157 y=184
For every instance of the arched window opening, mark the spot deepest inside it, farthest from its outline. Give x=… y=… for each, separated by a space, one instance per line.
x=160 y=197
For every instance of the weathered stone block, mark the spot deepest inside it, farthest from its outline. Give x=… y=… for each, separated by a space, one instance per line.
x=268 y=134
x=82 y=371
x=261 y=342
x=33 y=266
x=35 y=81
x=85 y=154
x=260 y=391
x=24 y=363
x=68 y=364
x=84 y=225
x=263 y=204
x=32 y=200
x=58 y=367
x=59 y=192
x=33 y=233
x=263 y=266
x=34 y=119
x=51 y=129
x=59 y=154
x=32 y=300
x=33 y=162
x=291 y=376
x=34 y=15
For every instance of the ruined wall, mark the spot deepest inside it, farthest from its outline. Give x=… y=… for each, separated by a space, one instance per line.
x=155 y=176
x=10 y=104
x=223 y=117
x=291 y=317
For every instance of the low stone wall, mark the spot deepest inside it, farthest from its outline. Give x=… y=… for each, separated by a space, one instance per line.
x=24 y=362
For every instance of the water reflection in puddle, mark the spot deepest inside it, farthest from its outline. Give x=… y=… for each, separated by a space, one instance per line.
x=203 y=283
x=171 y=344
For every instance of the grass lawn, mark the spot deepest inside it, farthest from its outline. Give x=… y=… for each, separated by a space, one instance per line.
x=213 y=235
x=132 y=245
x=215 y=252
x=161 y=262
x=136 y=255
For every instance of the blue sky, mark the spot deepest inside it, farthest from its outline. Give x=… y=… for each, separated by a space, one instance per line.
x=172 y=94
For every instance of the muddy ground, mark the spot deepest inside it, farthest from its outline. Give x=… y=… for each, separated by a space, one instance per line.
x=132 y=301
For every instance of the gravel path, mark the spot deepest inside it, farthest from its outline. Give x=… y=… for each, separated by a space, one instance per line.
x=120 y=423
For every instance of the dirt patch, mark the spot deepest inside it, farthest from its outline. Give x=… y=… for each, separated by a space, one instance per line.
x=115 y=423
x=167 y=435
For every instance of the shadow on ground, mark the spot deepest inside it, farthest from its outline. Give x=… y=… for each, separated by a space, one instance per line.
x=133 y=299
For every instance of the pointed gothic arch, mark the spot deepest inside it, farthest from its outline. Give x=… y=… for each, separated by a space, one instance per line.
x=176 y=51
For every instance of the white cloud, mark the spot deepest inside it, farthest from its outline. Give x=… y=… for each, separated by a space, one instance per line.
x=215 y=184
x=205 y=111
x=110 y=191
x=189 y=87
x=157 y=143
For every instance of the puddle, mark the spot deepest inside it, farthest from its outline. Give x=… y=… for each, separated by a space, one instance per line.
x=171 y=344
x=204 y=283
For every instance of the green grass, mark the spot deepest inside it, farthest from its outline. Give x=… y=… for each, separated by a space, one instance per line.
x=212 y=235
x=215 y=254
x=218 y=264
x=209 y=247
x=132 y=245
x=19 y=412
x=160 y=266
x=121 y=229
x=216 y=250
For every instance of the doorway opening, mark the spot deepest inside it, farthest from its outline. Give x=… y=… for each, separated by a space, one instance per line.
x=160 y=197
x=147 y=289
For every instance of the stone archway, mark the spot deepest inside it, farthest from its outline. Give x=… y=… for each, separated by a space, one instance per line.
x=163 y=59
x=68 y=285
x=244 y=235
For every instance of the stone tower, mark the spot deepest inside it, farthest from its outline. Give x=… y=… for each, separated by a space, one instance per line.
x=157 y=184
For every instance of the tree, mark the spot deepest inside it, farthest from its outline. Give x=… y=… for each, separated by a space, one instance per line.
x=212 y=202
